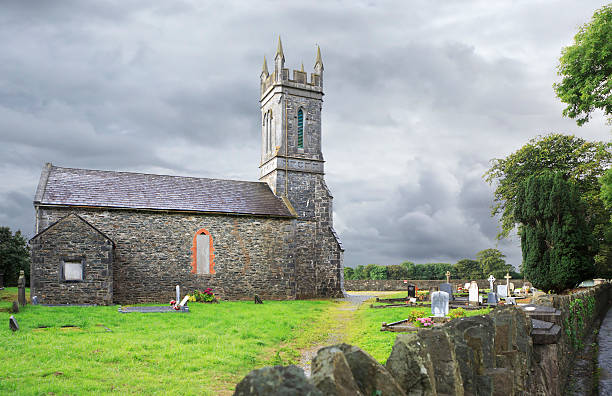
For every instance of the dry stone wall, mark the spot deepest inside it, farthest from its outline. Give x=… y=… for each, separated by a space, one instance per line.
x=399 y=285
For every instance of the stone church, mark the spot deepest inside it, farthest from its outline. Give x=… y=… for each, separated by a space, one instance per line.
x=106 y=237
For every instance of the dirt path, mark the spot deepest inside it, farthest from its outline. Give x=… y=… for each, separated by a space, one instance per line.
x=343 y=315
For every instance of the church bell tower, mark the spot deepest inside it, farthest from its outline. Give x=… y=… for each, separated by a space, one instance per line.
x=291 y=158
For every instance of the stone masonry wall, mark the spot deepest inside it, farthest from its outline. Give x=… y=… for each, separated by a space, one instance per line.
x=74 y=240
x=153 y=253
x=399 y=285
x=480 y=355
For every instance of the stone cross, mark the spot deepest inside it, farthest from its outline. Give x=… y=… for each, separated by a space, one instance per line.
x=447 y=276
x=507 y=277
x=491 y=279
x=21 y=286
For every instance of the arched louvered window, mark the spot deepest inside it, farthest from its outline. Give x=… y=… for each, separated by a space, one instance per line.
x=300 y=131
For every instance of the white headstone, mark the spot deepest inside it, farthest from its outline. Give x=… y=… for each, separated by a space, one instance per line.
x=473 y=293
x=502 y=291
x=491 y=279
x=439 y=303
x=178 y=293
x=185 y=299
x=511 y=289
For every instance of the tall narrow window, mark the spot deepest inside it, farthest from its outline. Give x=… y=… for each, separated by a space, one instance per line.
x=202 y=253
x=300 y=123
x=270 y=132
x=265 y=127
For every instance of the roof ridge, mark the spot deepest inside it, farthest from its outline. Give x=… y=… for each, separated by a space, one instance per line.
x=155 y=174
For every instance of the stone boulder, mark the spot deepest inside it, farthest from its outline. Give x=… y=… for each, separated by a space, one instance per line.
x=332 y=375
x=276 y=381
x=371 y=377
x=410 y=364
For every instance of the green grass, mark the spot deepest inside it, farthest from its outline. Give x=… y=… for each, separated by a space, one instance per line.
x=206 y=351
x=364 y=330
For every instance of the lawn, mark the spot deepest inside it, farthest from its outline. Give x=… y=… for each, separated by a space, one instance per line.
x=202 y=352
x=364 y=330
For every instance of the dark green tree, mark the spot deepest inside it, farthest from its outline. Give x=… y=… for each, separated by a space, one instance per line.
x=397 y=272
x=359 y=272
x=14 y=256
x=586 y=69
x=556 y=241
x=469 y=269
x=492 y=262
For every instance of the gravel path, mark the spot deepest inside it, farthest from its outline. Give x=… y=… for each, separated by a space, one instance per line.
x=338 y=332
x=605 y=355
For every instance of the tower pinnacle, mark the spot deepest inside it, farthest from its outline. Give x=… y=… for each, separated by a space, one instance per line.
x=264 y=69
x=279 y=50
x=319 y=61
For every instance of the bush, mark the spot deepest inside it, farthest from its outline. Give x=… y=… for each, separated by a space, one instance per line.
x=14 y=256
x=205 y=296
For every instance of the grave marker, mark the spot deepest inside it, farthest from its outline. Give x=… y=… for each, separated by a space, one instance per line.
x=511 y=289
x=448 y=276
x=411 y=291
x=491 y=279
x=21 y=285
x=502 y=291
x=178 y=293
x=491 y=298
x=439 y=304
x=447 y=287
x=13 y=323
x=473 y=293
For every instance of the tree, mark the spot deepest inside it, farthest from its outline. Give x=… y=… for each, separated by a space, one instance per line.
x=606 y=189
x=556 y=241
x=586 y=67
x=348 y=273
x=397 y=272
x=492 y=262
x=576 y=159
x=378 y=272
x=359 y=272
x=469 y=269
x=14 y=256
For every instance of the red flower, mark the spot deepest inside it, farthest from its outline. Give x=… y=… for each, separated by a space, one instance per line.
x=172 y=302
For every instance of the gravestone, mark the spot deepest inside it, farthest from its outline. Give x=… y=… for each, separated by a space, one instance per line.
x=411 y=291
x=502 y=291
x=21 y=285
x=507 y=277
x=439 y=304
x=178 y=293
x=447 y=287
x=473 y=293
x=510 y=301
x=511 y=289
x=13 y=323
x=491 y=298
x=15 y=308
x=448 y=274
x=35 y=300
x=491 y=279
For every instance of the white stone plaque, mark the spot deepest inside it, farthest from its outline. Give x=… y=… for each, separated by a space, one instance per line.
x=203 y=253
x=73 y=270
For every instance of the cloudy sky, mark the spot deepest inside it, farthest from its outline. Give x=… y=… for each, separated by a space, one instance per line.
x=419 y=97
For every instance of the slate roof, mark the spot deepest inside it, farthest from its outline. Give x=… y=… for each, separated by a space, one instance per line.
x=109 y=189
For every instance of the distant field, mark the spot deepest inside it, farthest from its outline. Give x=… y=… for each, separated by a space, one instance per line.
x=204 y=352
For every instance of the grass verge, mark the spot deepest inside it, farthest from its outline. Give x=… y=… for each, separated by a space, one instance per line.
x=203 y=352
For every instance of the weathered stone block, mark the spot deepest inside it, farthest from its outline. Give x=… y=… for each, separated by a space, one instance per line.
x=276 y=381
x=411 y=366
x=332 y=375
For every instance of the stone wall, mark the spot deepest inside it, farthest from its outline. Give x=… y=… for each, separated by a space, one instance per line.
x=493 y=354
x=252 y=255
x=72 y=240
x=399 y=285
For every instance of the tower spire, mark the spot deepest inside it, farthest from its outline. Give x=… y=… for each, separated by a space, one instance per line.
x=302 y=69
x=279 y=49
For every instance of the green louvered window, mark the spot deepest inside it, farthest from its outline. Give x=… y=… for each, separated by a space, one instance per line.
x=300 y=128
